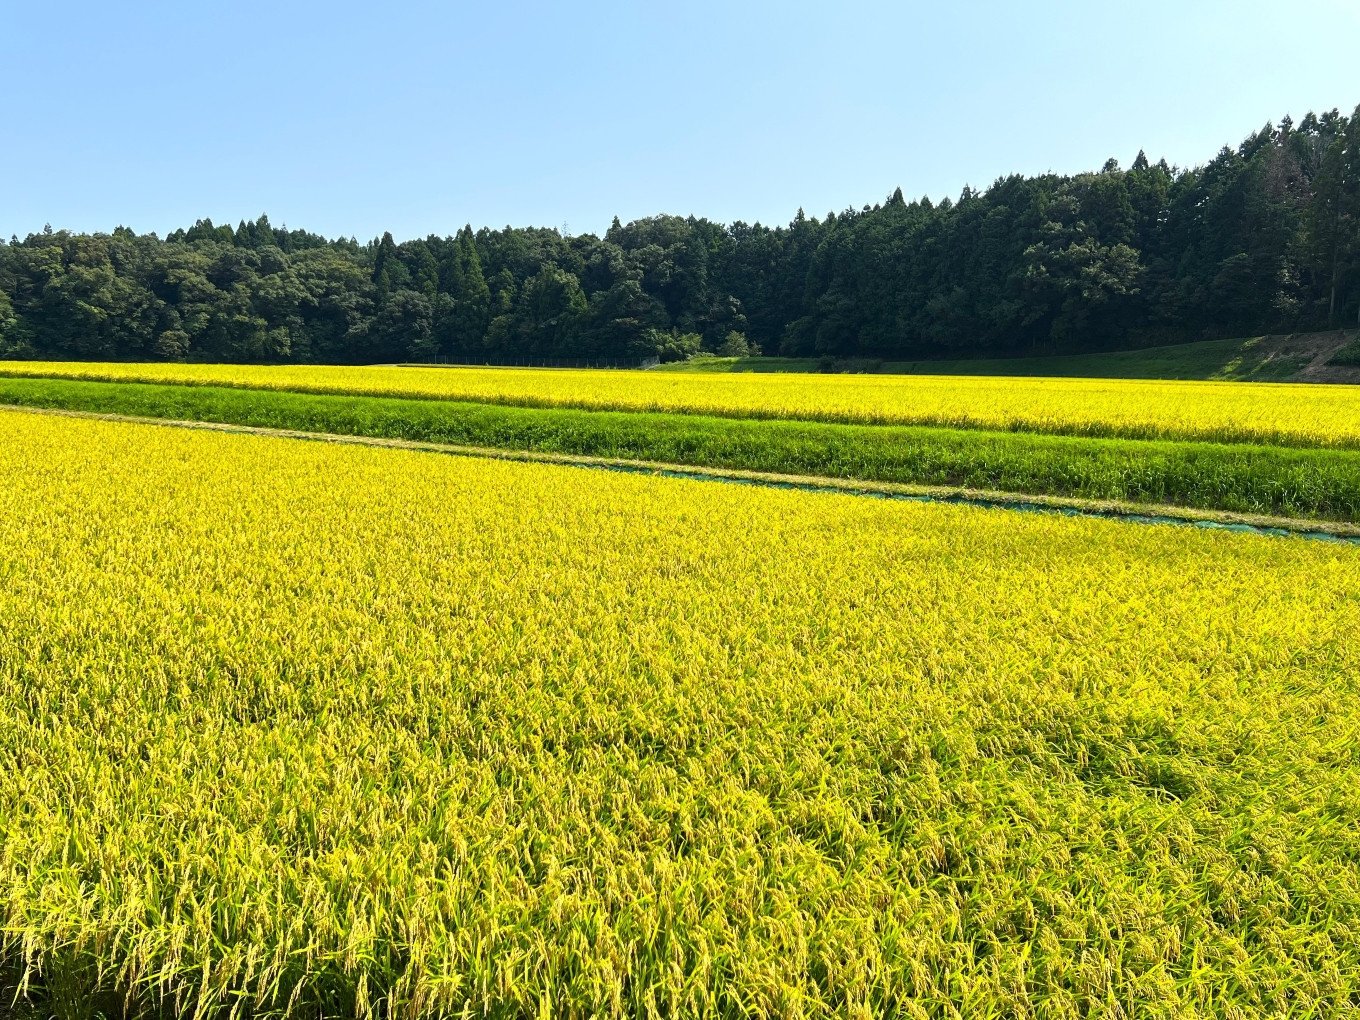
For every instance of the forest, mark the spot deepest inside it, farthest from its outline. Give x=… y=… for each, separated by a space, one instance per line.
x=1265 y=237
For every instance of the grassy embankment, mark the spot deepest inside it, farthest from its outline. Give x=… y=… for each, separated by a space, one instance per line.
x=1243 y=478
x=1348 y=356
x=1258 y=359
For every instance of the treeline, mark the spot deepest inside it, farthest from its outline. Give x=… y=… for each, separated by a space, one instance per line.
x=1264 y=237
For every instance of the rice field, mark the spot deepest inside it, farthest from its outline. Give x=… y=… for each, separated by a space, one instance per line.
x=1319 y=483
x=1278 y=413
x=296 y=729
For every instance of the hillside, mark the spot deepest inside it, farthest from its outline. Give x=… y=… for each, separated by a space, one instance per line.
x=1304 y=357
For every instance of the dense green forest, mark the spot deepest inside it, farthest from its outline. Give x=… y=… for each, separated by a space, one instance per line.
x=1264 y=237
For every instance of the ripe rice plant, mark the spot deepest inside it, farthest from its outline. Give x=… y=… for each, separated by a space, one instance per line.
x=1322 y=483
x=297 y=729
x=1280 y=413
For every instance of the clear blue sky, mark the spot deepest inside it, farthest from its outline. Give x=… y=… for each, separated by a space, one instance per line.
x=417 y=117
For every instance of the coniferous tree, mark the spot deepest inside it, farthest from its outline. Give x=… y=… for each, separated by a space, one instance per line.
x=384 y=266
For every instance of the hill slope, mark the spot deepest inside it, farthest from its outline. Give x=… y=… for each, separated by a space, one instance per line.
x=1302 y=357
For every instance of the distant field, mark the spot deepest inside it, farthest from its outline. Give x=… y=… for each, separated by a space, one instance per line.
x=1239 y=477
x=369 y=733
x=1258 y=359
x=1287 y=414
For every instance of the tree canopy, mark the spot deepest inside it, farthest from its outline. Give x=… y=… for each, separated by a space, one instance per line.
x=1263 y=237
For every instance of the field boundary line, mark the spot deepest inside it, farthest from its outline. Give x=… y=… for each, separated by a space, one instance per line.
x=986 y=498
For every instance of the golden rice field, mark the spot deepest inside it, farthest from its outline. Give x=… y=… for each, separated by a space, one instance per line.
x=1288 y=413
x=307 y=729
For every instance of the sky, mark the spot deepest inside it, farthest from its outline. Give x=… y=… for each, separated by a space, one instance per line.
x=351 y=119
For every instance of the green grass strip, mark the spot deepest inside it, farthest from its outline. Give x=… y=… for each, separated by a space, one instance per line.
x=1259 y=359
x=1288 y=482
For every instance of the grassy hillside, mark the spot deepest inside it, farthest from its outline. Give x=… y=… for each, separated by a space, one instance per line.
x=1303 y=358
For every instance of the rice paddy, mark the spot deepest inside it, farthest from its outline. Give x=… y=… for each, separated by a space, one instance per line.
x=301 y=730
x=1322 y=484
x=1293 y=414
